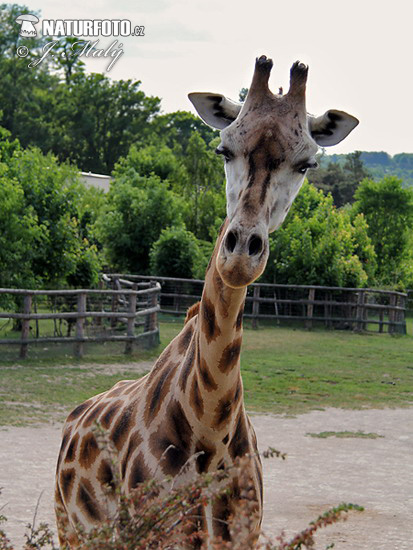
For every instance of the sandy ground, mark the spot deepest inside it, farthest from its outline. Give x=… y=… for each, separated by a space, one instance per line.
x=318 y=474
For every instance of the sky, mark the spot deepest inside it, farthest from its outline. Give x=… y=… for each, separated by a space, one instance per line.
x=359 y=53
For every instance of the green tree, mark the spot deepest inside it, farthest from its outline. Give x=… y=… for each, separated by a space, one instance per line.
x=65 y=57
x=176 y=129
x=135 y=215
x=340 y=179
x=204 y=188
x=100 y=119
x=175 y=254
x=20 y=236
x=388 y=209
x=51 y=193
x=320 y=245
x=149 y=160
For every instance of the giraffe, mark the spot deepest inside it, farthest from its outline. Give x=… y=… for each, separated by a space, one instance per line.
x=191 y=402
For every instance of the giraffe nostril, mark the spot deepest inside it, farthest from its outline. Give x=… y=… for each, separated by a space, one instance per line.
x=231 y=241
x=255 y=245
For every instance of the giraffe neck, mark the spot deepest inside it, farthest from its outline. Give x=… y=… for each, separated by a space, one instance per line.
x=213 y=386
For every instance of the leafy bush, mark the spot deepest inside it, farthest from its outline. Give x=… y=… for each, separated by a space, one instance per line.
x=175 y=253
x=388 y=210
x=320 y=245
x=168 y=514
x=135 y=215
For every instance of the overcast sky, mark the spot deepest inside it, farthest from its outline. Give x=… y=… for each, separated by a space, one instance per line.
x=359 y=53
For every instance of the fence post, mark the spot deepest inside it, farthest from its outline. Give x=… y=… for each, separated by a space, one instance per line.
x=392 y=313
x=81 y=308
x=115 y=302
x=310 y=308
x=255 y=307
x=27 y=306
x=360 y=311
x=131 y=320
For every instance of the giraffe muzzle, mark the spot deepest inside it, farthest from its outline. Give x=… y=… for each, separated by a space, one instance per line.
x=243 y=255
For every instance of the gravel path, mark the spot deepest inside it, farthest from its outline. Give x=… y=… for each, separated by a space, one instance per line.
x=318 y=474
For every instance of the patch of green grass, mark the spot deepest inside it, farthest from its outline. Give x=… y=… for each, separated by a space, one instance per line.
x=285 y=370
x=346 y=435
x=293 y=371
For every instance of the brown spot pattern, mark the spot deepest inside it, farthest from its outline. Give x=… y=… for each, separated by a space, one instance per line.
x=134 y=441
x=89 y=451
x=163 y=359
x=139 y=471
x=107 y=418
x=223 y=410
x=230 y=356
x=187 y=365
x=209 y=326
x=206 y=377
x=158 y=392
x=122 y=427
x=203 y=461
x=196 y=401
x=94 y=413
x=238 y=322
x=86 y=500
x=176 y=432
x=185 y=339
x=71 y=450
x=239 y=444
x=65 y=439
x=105 y=475
x=79 y=410
x=67 y=478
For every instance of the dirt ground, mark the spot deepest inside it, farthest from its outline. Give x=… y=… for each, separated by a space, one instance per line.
x=317 y=474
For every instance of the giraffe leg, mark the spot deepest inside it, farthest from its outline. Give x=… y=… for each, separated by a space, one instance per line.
x=68 y=538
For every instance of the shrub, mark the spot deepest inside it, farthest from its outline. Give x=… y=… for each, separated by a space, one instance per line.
x=175 y=253
x=167 y=514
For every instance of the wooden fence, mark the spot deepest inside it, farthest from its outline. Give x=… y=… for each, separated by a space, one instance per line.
x=359 y=309
x=101 y=315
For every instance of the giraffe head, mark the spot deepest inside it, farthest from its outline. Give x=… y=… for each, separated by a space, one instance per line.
x=268 y=144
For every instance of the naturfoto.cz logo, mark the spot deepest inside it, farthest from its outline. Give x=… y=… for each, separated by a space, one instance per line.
x=77 y=28
x=91 y=27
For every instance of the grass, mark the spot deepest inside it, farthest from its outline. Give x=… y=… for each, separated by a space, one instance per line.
x=285 y=370
x=346 y=435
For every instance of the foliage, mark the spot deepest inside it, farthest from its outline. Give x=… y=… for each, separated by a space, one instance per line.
x=51 y=191
x=204 y=188
x=20 y=235
x=175 y=253
x=341 y=180
x=162 y=515
x=41 y=241
x=149 y=160
x=380 y=164
x=320 y=245
x=388 y=209
x=99 y=119
x=135 y=215
x=176 y=129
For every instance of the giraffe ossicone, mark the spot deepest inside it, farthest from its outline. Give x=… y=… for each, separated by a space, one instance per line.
x=191 y=402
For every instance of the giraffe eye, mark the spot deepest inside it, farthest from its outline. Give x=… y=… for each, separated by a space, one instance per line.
x=226 y=153
x=311 y=164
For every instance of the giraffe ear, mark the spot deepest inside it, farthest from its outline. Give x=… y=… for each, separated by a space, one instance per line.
x=215 y=109
x=332 y=127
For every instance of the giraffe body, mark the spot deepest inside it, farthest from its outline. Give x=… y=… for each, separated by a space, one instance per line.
x=186 y=405
x=191 y=403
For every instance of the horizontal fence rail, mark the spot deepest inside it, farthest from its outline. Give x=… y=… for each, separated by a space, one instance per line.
x=359 y=309
x=92 y=315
